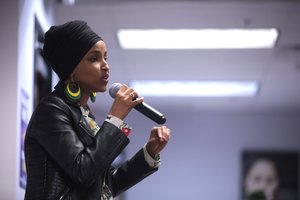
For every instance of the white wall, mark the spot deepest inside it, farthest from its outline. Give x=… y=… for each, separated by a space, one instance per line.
x=203 y=158
x=16 y=73
x=8 y=76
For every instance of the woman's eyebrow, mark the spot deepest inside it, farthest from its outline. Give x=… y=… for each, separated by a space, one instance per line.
x=94 y=51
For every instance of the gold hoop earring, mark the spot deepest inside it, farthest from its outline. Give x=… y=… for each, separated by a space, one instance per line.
x=73 y=92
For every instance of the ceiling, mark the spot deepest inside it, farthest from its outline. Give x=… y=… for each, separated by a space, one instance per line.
x=276 y=70
x=84 y=2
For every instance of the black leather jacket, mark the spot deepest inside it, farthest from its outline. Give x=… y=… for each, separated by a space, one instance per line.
x=64 y=161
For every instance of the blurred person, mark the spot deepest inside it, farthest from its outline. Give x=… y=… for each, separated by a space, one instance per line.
x=261 y=180
x=68 y=155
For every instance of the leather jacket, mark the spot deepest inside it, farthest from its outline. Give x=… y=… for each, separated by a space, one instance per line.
x=65 y=161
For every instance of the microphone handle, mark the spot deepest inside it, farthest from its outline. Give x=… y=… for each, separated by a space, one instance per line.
x=151 y=113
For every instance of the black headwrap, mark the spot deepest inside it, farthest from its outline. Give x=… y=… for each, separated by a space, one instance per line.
x=66 y=44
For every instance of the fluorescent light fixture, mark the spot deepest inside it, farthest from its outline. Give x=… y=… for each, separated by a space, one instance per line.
x=197 y=38
x=196 y=88
x=68 y=2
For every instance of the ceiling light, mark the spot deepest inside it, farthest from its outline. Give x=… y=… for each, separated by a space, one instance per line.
x=196 y=88
x=197 y=38
x=68 y=2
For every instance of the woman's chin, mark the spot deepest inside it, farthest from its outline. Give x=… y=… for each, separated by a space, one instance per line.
x=102 y=89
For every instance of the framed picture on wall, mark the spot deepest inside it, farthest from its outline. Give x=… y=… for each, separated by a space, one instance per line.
x=270 y=175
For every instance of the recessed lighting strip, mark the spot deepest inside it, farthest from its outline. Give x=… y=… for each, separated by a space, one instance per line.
x=197 y=38
x=196 y=88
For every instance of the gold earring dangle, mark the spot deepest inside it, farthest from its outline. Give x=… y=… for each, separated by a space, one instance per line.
x=73 y=92
x=93 y=96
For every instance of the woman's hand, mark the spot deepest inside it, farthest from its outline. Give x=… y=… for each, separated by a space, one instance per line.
x=158 y=139
x=126 y=98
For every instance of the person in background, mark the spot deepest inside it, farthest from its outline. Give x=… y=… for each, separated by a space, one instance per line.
x=261 y=180
x=68 y=154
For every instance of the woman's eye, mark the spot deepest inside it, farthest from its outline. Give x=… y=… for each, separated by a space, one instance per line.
x=93 y=58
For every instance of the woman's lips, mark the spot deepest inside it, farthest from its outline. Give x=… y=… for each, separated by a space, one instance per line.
x=105 y=78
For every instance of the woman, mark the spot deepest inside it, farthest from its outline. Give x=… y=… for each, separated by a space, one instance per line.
x=68 y=156
x=261 y=180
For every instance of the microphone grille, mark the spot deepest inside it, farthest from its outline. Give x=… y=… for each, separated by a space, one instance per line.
x=114 y=88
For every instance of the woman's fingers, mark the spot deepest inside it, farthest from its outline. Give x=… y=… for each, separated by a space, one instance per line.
x=162 y=132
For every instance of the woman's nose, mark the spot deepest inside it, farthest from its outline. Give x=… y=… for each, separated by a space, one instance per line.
x=105 y=66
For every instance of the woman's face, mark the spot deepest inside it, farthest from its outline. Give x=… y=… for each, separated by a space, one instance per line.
x=92 y=71
x=262 y=177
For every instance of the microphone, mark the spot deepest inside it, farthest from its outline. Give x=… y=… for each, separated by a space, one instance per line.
x=142 y=107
